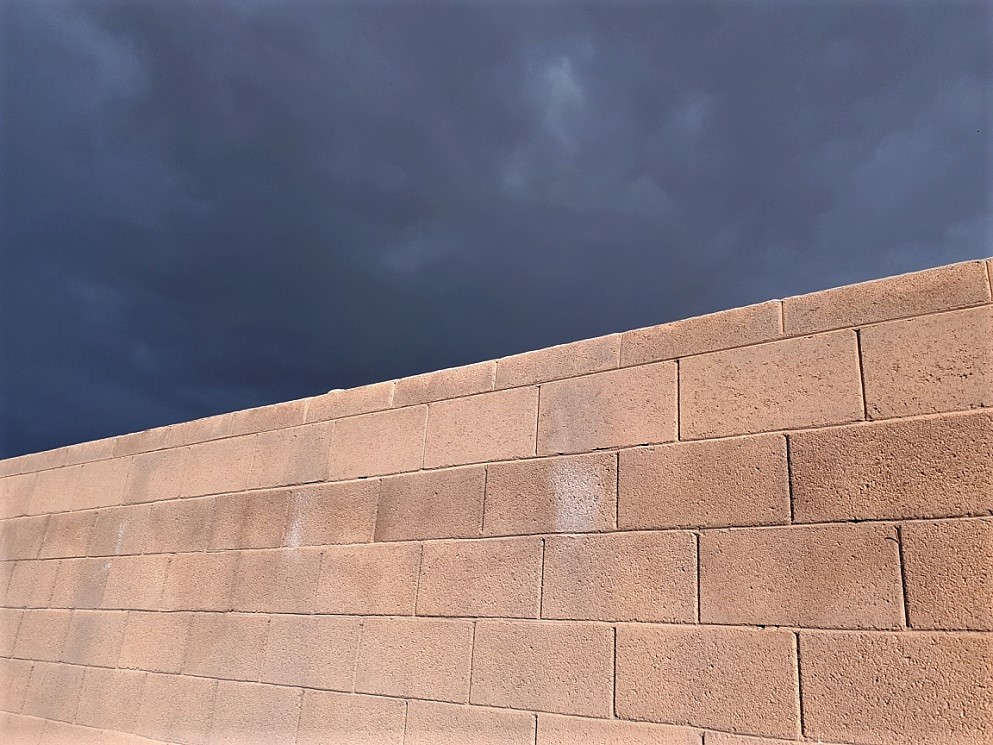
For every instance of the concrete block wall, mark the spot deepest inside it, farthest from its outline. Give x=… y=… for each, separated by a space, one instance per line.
x=772 y=524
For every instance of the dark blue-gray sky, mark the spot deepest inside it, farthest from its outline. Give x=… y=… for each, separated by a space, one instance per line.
x=213 y=205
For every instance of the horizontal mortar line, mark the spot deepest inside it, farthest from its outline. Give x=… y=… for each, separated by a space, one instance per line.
x=145 y=738
x=785 y=337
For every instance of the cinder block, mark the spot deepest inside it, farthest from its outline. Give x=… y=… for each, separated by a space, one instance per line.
x=176 y=708
x=52 y=490
x=253 y=519
x=199 y=430
x=377 y=444
x=560 y=730
x=919 y=468
x=836 y=576
x=42 y=635
x=282 y=581
x=556 y=667
x=254 y=713
x=325 y=514
x=349 y=719
x=736 y=680
x=155 y=641
x=22 y=730
x=17 y=493
x=226 y=645
x=200 y=582
x=944 y=288
x=432 y=504
x=14 y=676
x=929 y=364
x=351 y=401
x=298 y=455
x=53 y=691
x=80 y=583
x=726 y=329
x=84 y=452
x=311 y=651
x=451 y=383
x=948 y=568
x=897 y=689
x=63 y=733
x=95 y=638
x=135 y=582
x=6 y=570
x=219 y=466
x=722 y=738
x=120 y=530
x=101 y=483
x=157 y=475
x=415 y=658
x=179 y=525
x=475 y=429
x=22 y=537
x=375 y=579
x=621 y=577
x=739 y=481
x=140 y=442
x=67 y=535
x=430 y=723
x=619 y=408
x=499 y=578
x=32 y=584
x=109 y=699
x=10 y=619
x=572 y=494
x=267 y=418
x=813 y=381
x=562 y=361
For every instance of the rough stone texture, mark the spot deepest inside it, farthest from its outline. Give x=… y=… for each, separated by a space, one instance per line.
x=176 y=708
x=560 y=730
x=130 y=582
x=376 y=444
x=291 y=456
x=277 y=581
x=344 y=403
x=109 y=699
x=101 y=483
x=369 y=580
x=226 y=645
x=42 y=634
x=219 y=466
x=313 y=652
x=179 y=525
x=451 y=383
x=431 y=723
x=435 y=504
x=350 y=720
x=563 y=361
x=155 y=641
x=53 y=691
x=250 y=520
x=200 y=582
x=252 y=713
x=95 y=638
x=157 y=475
x=332 y=513
x=120 y=530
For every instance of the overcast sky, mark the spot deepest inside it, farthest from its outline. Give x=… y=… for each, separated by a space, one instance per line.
x=214 y=205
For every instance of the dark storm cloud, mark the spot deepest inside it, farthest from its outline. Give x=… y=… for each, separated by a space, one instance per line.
x=211 y=206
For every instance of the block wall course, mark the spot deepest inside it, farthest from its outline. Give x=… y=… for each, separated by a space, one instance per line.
x=433 y=504
x=377 y=444
x=431 y=723
x=349 y=719
x=563 y=730
x=452 y=383
x=563 y=361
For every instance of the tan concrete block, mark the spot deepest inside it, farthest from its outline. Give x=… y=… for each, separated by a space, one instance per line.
x=432 y=504
x=377 y=579
x=621 y=577
x=572 y=494
x=200 y=582
x=32 y=584
x=562 y=361
x=254 y=713
x=120 y=530
x=332 y=513
x=140 y=442
x=565 y=668
x=10 y=619
x=560 y=730
x=226 y=645
x=376 y=444
x=443 y=384
x=277 y=581
x=109 y=699
x=253 y=519
x=53 y=691
x=619 y=408
x=836 y=576
x=430 y=723
x=415 y=658
x=176 y=709
x=219 y=466
x=943 y=288
x=22 y=730
x=736 y=680
x=53 y=490
x=95 y=638
x=721 y=738
x=813 y=381
x=349 y=719
x=158 y=475
x=929 y=364
x=101 y=483
x=298 y=455
x=266 y=418
x=490 y=426
x=135 y=582
x=84 y=452
x=6 y=570
x=63 y=733
x=14 y=676
x=155 y=641
x=22 y=537
x=178 y=525
x=920 y=468
x=499 y=578
x=42 y=635
x=80 y=583
x=199 y=430
x=948 y=569
x=739 y=481
x=897 y=689
x=725 y=329
x=16 y=493
x=67 y=535
x=311 y=651
x=351 y=401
